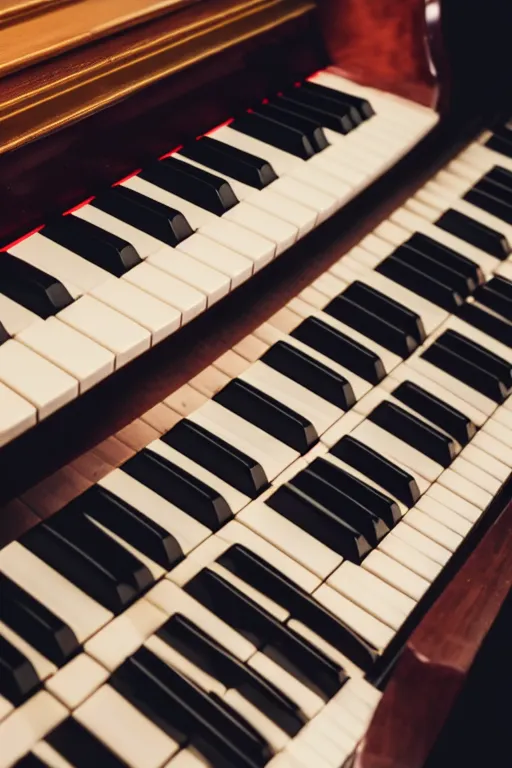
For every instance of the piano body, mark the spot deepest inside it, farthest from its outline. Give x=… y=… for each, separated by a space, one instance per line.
x=255 y=364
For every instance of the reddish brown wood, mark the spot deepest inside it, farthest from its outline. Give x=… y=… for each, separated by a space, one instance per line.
x=439 y=655
x=161 y=418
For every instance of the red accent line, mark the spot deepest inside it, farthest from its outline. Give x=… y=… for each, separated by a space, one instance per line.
x=20 y=239
x=221 y=125
x=80 y=205
x=168 y=154
x=125 y=178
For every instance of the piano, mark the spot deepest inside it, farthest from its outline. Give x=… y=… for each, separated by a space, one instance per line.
x=255 y=376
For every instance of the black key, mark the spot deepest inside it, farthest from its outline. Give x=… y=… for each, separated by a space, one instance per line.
x=477 y=355
x=435 y=410
x=419 y=282
x=35 y=623
x=91 y=559
x=462 y=369
x=312 y=374
x=340 y=348
x=472 y=231
x=264 y=577
x=234 y=162
x=457 y=283
x=495 y=300
x=131 y=525
x=214 y=454
x=191 y=183
x=484 y=195
x=363 y=106
x=386 y=308
x=30 y=761
x=503 y=178
x=365 y=321
x=501 y=141
x=311 y=127
x=498 y=329
x=80 y=748
x=268 y=414
x=319 y=486
x=311 y=98
x=18 y=678
x=502 y=286
x=187 y=714
x=328 y=116
x=273 y=132
x=397 y=481
x=316 y=519
x=377 y=502
x=156 y=219
x=32 y=287
x=203 y=651
x=180 y=488
x=448 y=258
x=414 y=431
x=247 y=617
x=98 y=246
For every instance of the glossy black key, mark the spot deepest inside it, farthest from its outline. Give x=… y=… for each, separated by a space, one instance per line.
x=485 y=195
x=18 y=678
x=31 y=287
x=340 y=348
x=136 y=529
x=255 y=571
x=191 y=183
x=268 y=414
x=35 y=623
x=370 y=324
x=327 y=116
x=319 y=486
x=448 y=258
x=275 y=133
x=494 y=300
x=30 y=761
x=313 y=99
x=317 y=520
x=501 y=141
x=187 y=714
x=179 y=487
x=275 y=639
x=419 y=282
x=462 y=369
x=457 y=283
x=203 y=651
x=503 y=178
x=385 y=473
x=478 y=355
x=435 y=410
x=472 y=231
x=382 y=506
x=414 y=431
x=80 y=747
x=478 y=317
x=240 y=165
x=311 y=128
x=95 y=562
x=364 y=108
x=312 y=374
x=214 y=454
x=502 y=286
x=395 y=313
x=156 y=219
x=98 y=246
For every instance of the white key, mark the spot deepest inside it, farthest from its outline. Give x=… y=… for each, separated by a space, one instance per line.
x=50 y=756
x=323 y=205
x=395 y=574
x=27 y=724
x=329 y=285
x=77 y=680
x=82 y=358
x=321 y=413
x=454 y=502
x=421 y=542
x=42 y=666
x=290 y=539
x=499 y=432
x=35 y=379
x=326 y=648
x=494 y=447
x=16 y=415
x=15 y=317
x=80 y=612
x=303 y=754
x=171 y=599
x=502 y=416
x=143 y=243
x=276 y=737
x=282 y=233
x=125 y=730
x=273 y=455
x=176 y=660
x=307 y=700
x=187 y=531
x=107 y=327
x=477 y=475
x=465 y=488
x=485 y=461
x=410 y=557
x=159 y=318
x=237 y=267
x=343 y=427
x=5 y=708
x=188 y=758
x=447 y=517
x=433 y=529
x=189 y=301
x=484 y=159
x=192 y=272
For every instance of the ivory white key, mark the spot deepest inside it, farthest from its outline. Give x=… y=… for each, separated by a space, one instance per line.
x=453 y=501
x=187 y=531
x=237 y=267
x=326 y=648
x=505 y=270
x=477 y=475
x=75 y=682
x=502 y=416
x=159 y=318
x=499 y=432
x=395 y=574
x=410 y=557
x=343 y=427
x=444 y=515
x=125 y=730
x=307 y=700
x=188 y=300
x=275 y=736
x=329 y=285
x=15 y=317
x=483 y=159
x=35 y=379
x=422 y=543
x=273 y=455
x=5 y=708
x=27 y=724
x=42 y=666
x=324 y=205
x=376 y=246
x=433 y=529
x=324 y=747
x=465 y=488
x=281 y=232
x=485 y=461
x=82 y=358
x=16 y=415
x=192 y=272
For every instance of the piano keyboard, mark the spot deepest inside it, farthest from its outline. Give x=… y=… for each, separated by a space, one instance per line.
x=95 y=289
x=224 y=597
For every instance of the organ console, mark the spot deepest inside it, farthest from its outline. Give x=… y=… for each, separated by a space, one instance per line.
x=255 y=366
